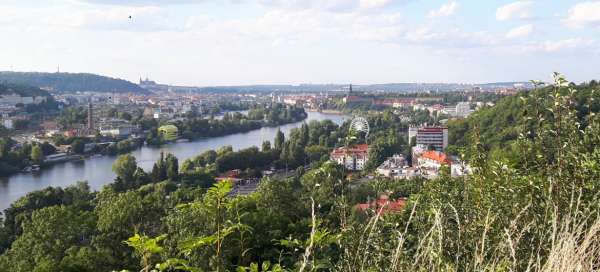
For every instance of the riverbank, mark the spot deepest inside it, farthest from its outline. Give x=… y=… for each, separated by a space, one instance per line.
x=97 y=170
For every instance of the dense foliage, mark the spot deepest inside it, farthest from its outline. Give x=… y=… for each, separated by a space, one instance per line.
x=500 y=125
x=232 y=122
x=21 y=90
x=68 y=82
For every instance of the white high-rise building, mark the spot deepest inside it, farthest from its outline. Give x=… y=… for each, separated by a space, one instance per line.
x=463 y=109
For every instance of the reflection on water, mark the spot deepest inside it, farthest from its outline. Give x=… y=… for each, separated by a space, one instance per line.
x=97 y=171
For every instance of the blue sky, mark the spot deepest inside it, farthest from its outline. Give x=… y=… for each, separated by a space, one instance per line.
x=231 y=42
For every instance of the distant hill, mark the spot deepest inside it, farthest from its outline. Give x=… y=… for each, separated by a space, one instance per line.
x=21 y=90
x=388 y=87
x=69 y=82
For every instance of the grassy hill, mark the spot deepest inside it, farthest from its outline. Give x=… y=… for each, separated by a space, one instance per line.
x=71 y=82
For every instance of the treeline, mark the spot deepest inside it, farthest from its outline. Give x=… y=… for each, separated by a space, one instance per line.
x=501 y=125
x=69 y=82
x=15 y=156
x=232 y=122
x=305 y=145
x=276 y=114
x=7 y=88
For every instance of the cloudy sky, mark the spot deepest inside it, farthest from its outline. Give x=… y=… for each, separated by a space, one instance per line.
x=226 y=42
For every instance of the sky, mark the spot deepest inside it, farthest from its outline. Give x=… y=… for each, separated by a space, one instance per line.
x=242 y=42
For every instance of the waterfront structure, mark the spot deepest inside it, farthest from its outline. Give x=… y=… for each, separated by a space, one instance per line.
x=353 y=158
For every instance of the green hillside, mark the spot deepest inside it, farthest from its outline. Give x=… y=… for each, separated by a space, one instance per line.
x=22 y=90
x=69 y=82
x=502 y=123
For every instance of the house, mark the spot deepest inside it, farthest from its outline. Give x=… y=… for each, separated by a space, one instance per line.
x=430 y=162
x=397 y=167
x=383 y=205
x=354 y=158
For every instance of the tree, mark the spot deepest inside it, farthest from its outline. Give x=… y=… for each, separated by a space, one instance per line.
x=47 y=236
x=37 y=155
x=172 y=166
x=125 y=167
x=78 y=146
x=266 y=146
x=279 y=140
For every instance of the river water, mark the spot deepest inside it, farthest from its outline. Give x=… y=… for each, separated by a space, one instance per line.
x=97 y=170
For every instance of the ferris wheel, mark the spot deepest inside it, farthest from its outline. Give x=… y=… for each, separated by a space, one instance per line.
x=360 y=124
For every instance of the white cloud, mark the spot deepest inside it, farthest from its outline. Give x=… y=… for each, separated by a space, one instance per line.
x=518 y=9
x=374 y=4
x=445 y=10
x=143 y=18
x=584 y=14
x=574 y=43
x=331 y=5
x=520 y=31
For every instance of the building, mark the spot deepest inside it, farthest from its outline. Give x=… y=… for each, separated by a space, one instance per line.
x=13 y=99
x=435 y=137
x=352 y=158
x=383 y=205
x=430 y=162
x=397 y=167
x=168 y=132
x=118 y=132
x=463 y=109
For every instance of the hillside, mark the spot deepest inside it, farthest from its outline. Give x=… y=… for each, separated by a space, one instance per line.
x=70 y=82
x=502 y=123
x=22 y=90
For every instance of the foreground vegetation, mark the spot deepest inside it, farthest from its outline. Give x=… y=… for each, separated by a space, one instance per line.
x=531 y=210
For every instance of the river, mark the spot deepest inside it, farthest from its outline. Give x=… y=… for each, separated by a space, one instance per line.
x=97 y=170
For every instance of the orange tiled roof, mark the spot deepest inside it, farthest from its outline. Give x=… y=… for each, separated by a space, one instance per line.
x=383 y=205
x=440 y=157
x=356 y=149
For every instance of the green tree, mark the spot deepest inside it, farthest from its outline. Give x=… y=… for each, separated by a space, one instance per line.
x=172 y=166
x=266 y=146
x=78 y=146
x=125 y=167
x=37 y=155
x=47 y=236
x=279 y=140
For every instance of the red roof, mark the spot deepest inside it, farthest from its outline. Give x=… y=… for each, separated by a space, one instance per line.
x=356 y=149
x=440 y=157
x=383 y=205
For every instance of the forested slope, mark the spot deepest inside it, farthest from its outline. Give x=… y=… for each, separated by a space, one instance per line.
x=71 y=82
x=21 y=90
x=501 y=124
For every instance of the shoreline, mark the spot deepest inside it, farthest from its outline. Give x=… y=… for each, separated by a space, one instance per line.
x=84 y=157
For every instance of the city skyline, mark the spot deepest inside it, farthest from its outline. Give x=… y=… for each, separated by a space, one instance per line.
x=211 y=43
